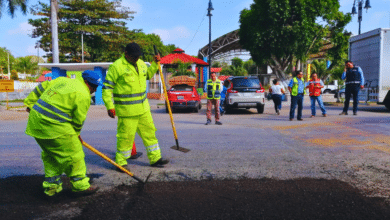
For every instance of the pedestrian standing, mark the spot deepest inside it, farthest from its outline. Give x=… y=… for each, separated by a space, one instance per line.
x=297 y=91
x=57 y=111
x=353 y=83
x=126 y=81
x=213 y=97
x=315 y=85
x=277 y=91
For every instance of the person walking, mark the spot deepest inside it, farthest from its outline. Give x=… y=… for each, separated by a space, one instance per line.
x=297 y=91
x=277 y=91
x=213 y=97
x=223 y=96
x=353 y=83
x=126 y=82
x=315 y=85
x=57 y=111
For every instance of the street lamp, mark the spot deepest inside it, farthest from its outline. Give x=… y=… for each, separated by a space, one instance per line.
x=360 y=6
x=209 y=14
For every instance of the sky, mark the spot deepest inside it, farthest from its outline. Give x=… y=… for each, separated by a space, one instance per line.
x=180 y=22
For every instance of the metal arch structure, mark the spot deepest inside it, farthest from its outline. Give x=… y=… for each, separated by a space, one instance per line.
x=225 y=46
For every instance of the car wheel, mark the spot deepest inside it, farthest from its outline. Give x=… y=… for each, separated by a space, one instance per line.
x=196 y=109
x=326 y=91
x=200 y=105
x=227 y=109
x=342 y=95
x=260 y=109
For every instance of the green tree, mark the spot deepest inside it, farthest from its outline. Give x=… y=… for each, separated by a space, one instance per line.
x=26 y=65
x=182 y=69
x=13 y=5
x=250 y=67
x=320 y=67
x=101 y=22
x=14 y=75
x=146 y=41
x=216 y=64
x=276 y=32
x=4 y=60
x=236 y=69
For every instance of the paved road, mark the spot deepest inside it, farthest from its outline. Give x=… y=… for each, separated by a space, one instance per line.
x=350 y=148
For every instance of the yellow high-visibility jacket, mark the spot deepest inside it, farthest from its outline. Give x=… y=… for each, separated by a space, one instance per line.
x=128 y=87
x=57 y=107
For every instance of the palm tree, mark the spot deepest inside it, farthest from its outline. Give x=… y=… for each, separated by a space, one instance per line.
x=182 y=69
x=319 y=66
x=13 y=5
x=26 y=65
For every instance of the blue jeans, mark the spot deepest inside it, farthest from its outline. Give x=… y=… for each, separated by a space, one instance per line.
x=351 y=89
x=296 y=100
x=313 y=104
x=277 y=101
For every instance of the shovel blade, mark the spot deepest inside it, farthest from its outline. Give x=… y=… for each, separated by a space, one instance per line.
x=182 y=149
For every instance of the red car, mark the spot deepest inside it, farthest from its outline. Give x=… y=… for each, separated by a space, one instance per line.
x=183 y=97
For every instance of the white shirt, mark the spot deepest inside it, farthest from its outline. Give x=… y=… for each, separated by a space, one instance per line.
x=277 y=89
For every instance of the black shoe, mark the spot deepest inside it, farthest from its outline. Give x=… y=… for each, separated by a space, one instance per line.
x=160 y=163
x=218 y=123
x=355 y=113
x=343 y=113
x=138 y=154
x=208 y=122
x=91 y=190
x=300 y=119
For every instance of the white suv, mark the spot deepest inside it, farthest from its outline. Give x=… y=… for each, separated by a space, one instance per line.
x=244 y=92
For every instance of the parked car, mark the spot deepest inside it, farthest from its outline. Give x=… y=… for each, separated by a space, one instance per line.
x=244 y=92
x=183 y=97
x=341 y=93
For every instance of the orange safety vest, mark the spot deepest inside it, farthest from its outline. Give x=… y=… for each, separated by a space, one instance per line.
x=314 y=91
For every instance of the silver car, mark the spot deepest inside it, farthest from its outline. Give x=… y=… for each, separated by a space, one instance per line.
x=244 y=92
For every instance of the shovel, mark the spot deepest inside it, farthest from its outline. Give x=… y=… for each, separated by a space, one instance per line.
x=115 y=164
x=175 y=147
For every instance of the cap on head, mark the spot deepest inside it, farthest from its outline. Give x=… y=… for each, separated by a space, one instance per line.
x=92 y=77
x=133 y=49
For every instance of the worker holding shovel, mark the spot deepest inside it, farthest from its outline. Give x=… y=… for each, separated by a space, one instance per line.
x=58 y=110
x=126 y=82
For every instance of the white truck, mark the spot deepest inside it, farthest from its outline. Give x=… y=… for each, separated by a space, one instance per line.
x=371 y=51
x=331 y=87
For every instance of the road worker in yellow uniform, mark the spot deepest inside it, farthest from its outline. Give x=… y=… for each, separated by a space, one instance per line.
x=126 y=82
x=58 y=109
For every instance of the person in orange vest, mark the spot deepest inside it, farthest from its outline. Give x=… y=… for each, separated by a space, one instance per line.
x=315 y=85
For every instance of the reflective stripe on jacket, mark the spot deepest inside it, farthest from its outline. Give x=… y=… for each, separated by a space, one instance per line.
x=128 y=87
x=58 y=107
x=314 y=91
x=213 y=89
x=294 y=89
x=353 y=76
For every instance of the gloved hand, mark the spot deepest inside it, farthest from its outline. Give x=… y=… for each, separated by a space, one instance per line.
x=81 y=140
x=157 y=58
x=28 y=109
x=111 y=113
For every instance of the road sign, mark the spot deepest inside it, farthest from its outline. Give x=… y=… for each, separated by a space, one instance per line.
x=6 y=85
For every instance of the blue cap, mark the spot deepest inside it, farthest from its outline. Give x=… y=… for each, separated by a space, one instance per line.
x=92 y=77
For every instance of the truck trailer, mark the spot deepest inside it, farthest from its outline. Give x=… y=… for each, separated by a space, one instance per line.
x=371 y=51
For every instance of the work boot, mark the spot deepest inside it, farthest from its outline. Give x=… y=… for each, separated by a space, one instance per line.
x=291 y=119
x=278 y=113
x=160 y=163
x=91 y=190
x=208 y=122
x=312 y=116
x=343 y=113
x=355 y=113
x=300 y=119
x=138 y=154
x=324 y=115
x=218 y=123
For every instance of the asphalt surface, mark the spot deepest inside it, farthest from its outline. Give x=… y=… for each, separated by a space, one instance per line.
x=354 y=149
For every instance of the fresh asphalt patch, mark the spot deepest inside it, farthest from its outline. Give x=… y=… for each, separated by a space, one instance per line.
x=242 y=198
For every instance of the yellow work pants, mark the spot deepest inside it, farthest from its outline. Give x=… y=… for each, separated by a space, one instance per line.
x=63 y=155
x=144 y=126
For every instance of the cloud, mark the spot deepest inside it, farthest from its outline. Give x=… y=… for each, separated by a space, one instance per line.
x=23 y=29
x=133 y=5
x=175 y=33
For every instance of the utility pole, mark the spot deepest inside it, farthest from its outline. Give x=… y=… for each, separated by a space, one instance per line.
x=9 y=72
x=360 y=13
x=54 y=30
x=209 y=14
x=82 y=48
